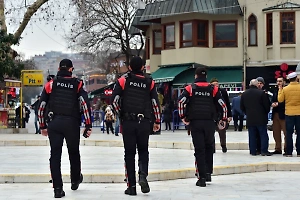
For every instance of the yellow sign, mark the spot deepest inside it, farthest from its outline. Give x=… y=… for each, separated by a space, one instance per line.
x=12 y=84
x=32 y=79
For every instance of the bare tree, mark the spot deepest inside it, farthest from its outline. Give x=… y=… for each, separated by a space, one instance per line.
x=105 y=25
x=14 y=14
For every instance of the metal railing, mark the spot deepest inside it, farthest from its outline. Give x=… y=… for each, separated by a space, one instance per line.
x=97 y=120
x=176 y=120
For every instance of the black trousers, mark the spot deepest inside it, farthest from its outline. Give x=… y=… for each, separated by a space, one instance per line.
x=109 y=125
x=258 y=143
x=60 y=128
x=203 y=132
x=236 y=119
x=135 y=136
x=168 y=125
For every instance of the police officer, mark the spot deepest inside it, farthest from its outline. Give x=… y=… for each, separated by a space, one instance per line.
x=133 y=96
x=204 y=104
x=64 y=96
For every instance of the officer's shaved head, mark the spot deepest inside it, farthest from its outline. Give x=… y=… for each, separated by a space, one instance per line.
x=253 y=82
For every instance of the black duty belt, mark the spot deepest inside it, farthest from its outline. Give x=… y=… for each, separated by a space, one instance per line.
x=134 y=117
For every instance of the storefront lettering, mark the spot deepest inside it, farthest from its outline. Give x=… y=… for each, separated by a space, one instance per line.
x=108 y=92
x=230 y=85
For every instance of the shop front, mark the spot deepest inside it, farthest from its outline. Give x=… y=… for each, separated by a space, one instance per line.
x=269 y=73
x=103 y=94
x=175 y=77
x=8 y=94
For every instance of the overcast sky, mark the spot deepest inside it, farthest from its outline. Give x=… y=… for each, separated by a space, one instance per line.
x=41 y=36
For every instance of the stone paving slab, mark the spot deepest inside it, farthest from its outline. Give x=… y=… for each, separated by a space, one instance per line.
x=250 y=186
x=168 y=139
x=105 y=164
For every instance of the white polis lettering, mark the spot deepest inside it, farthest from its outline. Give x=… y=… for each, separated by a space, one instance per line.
x=202 y=94
x=65 y=85
x=140 y=85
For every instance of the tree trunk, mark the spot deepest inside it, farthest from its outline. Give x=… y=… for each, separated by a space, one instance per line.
x=2 y=17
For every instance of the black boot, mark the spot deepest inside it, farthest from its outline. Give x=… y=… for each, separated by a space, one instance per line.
x=224 y=149
x=201 y=182
x=208 y=177
x=75 y=185
x=144 y=184
x=59 y=193
x=131 y=191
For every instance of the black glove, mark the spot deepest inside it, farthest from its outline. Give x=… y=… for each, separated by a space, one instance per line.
x=85 y=132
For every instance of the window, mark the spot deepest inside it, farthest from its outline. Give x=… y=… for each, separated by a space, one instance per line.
x=202 y=33
x=157 y=42
x=194 y=33
x=225 y=34
x=252 y=31
x=187 y=34
x=169 y=36
x=287 y=28
x=91 y=81
x=269 y=29
x=101 y=81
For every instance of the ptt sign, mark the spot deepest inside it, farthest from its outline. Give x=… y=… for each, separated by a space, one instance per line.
x=33 y=79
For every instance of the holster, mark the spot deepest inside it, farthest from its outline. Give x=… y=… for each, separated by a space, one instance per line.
x=132 y=117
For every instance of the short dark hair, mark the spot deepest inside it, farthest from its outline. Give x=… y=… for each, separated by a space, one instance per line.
x=293 y=79
x=201 y=72
x=214 y=80
x=281 y=78
x=136 y=63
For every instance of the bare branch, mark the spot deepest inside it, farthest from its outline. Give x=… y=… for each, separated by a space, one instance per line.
x=105 y=24
x=27 y=16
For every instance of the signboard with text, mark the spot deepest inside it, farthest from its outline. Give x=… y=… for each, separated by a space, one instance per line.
x=33 y=78
x=12 y=83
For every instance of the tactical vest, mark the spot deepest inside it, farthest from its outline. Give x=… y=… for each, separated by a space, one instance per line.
x=64 y=97
x=136 y=95
x=201 y=104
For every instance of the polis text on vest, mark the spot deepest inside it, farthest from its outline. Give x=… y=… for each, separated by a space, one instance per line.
x=202 y=94
x=65 y=85
x=140 y=85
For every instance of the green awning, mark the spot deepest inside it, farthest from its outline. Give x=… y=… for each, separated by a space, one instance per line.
x=167 y=74
x=224 y=75
x=186 y=77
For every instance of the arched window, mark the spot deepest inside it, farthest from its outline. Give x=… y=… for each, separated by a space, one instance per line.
x=252 y=30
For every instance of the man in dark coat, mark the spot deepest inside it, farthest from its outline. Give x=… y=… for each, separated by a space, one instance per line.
x=25 y=115
x=237 y=113
x=222 y=133
x=256 y=105
x=35 y=106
